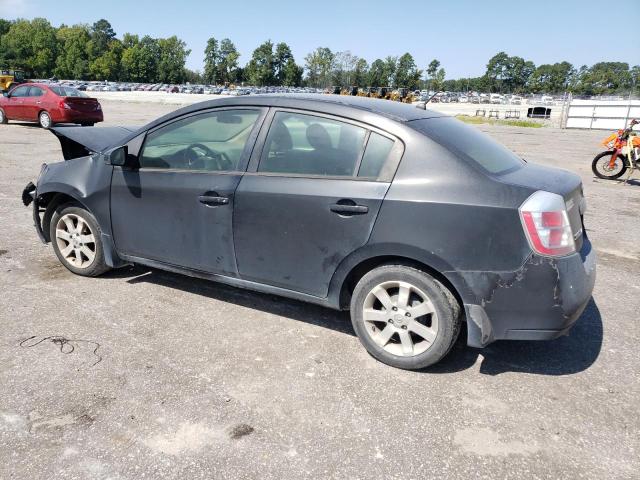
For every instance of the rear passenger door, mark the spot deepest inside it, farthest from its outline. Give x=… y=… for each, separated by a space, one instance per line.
x=32 y=104
x=310 y=198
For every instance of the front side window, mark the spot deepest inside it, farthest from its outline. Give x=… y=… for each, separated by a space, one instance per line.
x=303 y=144
x=212 y=141
x=19 y=92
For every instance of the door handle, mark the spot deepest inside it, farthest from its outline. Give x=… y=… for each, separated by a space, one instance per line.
x=212 y=201
x=349 y=209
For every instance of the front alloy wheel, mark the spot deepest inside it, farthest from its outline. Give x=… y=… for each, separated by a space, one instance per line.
x=76 y=240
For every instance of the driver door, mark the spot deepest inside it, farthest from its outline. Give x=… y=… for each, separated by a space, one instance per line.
x=176 y=205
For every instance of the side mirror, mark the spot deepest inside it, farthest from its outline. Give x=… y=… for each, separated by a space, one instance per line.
x=118 y=156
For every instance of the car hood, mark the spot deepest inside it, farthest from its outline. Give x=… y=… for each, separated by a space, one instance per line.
x=82 y=141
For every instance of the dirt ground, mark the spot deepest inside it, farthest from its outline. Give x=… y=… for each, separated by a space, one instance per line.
x=147 y=374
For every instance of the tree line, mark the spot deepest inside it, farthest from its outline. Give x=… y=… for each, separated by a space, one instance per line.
x=93 y=52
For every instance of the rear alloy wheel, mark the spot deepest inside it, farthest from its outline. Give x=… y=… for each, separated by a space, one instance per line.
x=404 y=317
x=3 y=117
x=76 y=240
x=44 y=119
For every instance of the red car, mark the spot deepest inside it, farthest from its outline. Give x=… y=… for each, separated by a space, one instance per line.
x=48 y=105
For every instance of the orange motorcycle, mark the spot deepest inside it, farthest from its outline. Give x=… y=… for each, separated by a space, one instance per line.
x=623 y=153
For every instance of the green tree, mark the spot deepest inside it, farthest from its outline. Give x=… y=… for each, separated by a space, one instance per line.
x=140 y=58
x=261 y=69
x=211 y=59
x=281 y=60
x=432 y=70
x=390 y=66
x=292 y=74
x=102 y=35
x=173 y=56
x=554 y=78
x=407 y=73
x=361 y=73
x=377 y=74
x=31 y=45
x=228 y=62
x=73 y=59
x=108 y=65
x=319 y=65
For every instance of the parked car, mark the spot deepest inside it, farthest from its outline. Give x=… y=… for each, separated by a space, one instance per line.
x=425 y=225
x=49 y=104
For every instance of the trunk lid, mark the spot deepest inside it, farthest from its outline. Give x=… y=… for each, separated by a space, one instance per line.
x=554 y=180
x=82 y=104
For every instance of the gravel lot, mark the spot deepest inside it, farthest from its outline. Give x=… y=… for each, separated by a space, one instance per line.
x=163 y=376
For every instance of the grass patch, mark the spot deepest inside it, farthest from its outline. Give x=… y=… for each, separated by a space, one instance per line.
x=493 y=121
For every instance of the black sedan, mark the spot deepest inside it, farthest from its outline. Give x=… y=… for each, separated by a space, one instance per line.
x=410 y=219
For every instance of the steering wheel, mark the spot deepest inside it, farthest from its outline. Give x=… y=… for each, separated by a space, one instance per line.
x=196 y=161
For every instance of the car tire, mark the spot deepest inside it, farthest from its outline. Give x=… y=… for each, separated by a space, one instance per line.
x=420 y=331
x=3 y=117
x=77 y=240
x=44 y=119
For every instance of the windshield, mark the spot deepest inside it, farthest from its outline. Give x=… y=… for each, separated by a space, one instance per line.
x=67 y=92
x=470 y=143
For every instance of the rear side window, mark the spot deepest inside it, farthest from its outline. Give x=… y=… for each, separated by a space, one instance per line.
x=309 y=145
x=67 y=92
x=36 y=92
x=376 y=154
x=471 y=143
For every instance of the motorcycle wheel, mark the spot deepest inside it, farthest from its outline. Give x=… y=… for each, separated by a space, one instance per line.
x=600 y=166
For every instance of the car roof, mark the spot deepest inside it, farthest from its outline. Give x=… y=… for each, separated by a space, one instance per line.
x=347 y=105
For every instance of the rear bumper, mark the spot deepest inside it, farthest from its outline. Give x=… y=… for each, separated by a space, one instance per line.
x=540 y=301
x=72 y=116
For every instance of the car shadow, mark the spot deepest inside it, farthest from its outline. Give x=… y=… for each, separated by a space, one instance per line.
x=564 y=356
x=273 y=304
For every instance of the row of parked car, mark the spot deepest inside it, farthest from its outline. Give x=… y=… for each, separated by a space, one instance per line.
x=421 y=95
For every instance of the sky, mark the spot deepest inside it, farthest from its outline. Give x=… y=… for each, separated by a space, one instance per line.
x=462 y=34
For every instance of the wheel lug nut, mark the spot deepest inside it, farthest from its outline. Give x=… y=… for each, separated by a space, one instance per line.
x=404 y=327
x=395 y=309
x=390 y=320
x=407 y=314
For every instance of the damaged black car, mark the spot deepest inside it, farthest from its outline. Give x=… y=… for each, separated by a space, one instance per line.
x=411 y=220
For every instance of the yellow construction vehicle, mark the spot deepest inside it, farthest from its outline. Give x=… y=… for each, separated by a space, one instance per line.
x=352 y=91
x=403 y=95
x=9 y=78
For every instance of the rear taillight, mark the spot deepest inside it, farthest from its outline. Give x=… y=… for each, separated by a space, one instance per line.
x=64 y=105
x=98 y=107
x=546 y=224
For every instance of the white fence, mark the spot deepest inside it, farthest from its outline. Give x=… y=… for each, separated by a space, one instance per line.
x=601 y=114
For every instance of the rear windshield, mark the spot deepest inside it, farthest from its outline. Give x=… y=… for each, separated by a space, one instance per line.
x=67 y=92
x=470 y=142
